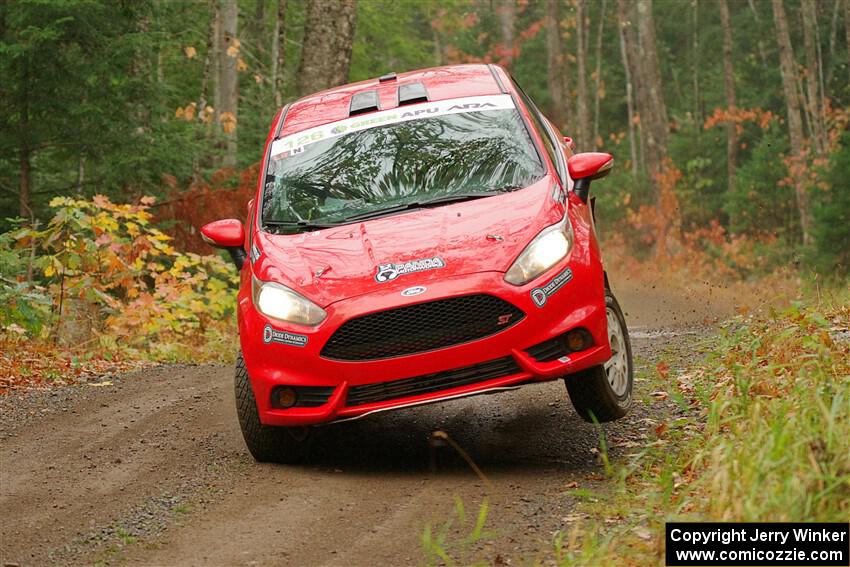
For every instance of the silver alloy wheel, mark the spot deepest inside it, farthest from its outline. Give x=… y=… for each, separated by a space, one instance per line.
x=617 y=367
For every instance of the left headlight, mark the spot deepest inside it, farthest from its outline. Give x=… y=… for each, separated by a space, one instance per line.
x=279 y=302
x=547 y=249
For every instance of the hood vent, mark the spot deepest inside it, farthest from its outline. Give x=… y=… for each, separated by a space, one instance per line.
x=362 y=102
x=411 y=93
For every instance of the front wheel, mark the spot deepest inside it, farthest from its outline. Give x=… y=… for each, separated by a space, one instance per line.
x=266 y=444
x=604 y=392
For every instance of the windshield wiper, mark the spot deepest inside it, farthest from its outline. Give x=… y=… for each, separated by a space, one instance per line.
x=445 y=199
x=302 y=225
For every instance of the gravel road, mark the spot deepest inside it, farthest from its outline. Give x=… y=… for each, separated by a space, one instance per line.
x=149 y=468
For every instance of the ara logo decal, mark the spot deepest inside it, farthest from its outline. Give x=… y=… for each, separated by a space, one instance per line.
x=389 y=272
x=416 y=290
x=540 y=295
x=272 y=335
x=472 y=106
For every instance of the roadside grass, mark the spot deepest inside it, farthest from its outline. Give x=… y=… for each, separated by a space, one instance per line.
x=762 y=433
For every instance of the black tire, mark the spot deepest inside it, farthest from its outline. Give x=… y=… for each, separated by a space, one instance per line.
x=266 y=444
x=590 y=390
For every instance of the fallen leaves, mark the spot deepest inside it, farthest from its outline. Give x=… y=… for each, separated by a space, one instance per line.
x=28 y=364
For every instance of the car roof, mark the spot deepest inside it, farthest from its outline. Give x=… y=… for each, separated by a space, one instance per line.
x=440 y=83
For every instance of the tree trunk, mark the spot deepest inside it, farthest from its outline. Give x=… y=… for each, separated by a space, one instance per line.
x=655 y=126
x=625 y=46
x=833 y=36
x=555 y=64
x=813 y=99
x=759 y=43
x=506 y=11
x=795 y=121
x=25 y=154
x=597 y=94
x=25 y=186
x=278 y=54
x=328 y=39
x=696 y=64
x=650 y=99
x=585 y=134
x=229 y=77
x=216 y=60
x=729 y=88
x=847 y=29
x=211 y=55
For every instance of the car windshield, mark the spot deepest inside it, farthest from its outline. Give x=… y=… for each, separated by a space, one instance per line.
x=397 y=159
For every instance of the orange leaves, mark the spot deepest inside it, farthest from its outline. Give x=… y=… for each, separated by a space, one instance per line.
x=187 y=112
x=228 y=122
x=739 y=116
x=233 y=48
x=190 y=52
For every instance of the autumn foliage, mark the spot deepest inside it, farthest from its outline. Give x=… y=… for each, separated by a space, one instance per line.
x=105 y=275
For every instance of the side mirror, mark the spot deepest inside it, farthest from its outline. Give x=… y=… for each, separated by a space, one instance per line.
x=586 y=167
x=228 y=234
x=570 y=143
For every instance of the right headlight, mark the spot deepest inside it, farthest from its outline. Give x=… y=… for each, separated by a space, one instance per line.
x=547 y=249
x=279 y=302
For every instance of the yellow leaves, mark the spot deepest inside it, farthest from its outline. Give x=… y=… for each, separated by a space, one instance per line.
x=149 y=291
x=207 y=114
x=190 y=52
x=241 y=65
x=258 y=79
x=187 y=112
x=233 y=48
x=228 y=122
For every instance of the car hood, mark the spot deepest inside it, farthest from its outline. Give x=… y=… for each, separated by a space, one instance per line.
x=408 y=249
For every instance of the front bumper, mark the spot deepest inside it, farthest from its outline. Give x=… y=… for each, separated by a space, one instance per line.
x=578 y=303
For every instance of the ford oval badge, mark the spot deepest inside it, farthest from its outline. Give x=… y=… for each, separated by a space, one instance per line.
x=416 y=290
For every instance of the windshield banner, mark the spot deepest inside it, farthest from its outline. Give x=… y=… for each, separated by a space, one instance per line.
x=295 y=143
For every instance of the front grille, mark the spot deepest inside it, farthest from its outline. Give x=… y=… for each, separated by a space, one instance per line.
x=421 y=327
x=425 y=384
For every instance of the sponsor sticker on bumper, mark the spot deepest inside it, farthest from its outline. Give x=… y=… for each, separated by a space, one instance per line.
x=540 y=295
x=272 y=335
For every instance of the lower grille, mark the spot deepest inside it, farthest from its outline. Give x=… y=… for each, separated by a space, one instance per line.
x=313 y=396
x=556 y=347
x=307 y=396
x=421 y=327
x=428 y=383
x=550 y=350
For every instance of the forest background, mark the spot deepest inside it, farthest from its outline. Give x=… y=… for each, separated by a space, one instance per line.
x=125 y=125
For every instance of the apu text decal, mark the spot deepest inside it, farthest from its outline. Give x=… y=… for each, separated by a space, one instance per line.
x=540 y=295
x=272 y=335
x=295 y=143
x=389 y=272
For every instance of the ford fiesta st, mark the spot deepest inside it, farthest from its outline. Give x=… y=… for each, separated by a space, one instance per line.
x=416 y=238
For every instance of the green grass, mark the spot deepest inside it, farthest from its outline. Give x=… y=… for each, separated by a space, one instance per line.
x=766 y=438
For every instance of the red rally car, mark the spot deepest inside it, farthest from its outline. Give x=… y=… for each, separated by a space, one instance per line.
x=416 y=238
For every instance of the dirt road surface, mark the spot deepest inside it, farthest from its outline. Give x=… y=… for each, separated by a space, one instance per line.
x=150 y=468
